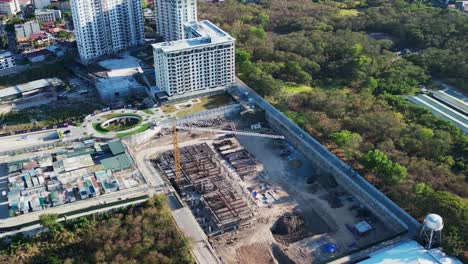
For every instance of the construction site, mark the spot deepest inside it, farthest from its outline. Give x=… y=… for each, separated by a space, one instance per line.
x=258 y=198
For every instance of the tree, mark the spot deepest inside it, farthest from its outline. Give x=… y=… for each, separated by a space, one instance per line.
x=422 y=188
x=144 y=4
x=377 y=161
x=48 y=220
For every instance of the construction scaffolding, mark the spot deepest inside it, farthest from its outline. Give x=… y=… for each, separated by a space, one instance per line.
x=238 y=157
x=207 y=185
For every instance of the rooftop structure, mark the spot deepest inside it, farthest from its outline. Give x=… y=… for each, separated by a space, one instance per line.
x=409 y=252
x=203 y=61
x=38 y=183
x=27 y=89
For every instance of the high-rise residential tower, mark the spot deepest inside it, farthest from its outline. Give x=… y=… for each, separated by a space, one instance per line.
x=105 y=27
x=201 y=62
x=171 y=15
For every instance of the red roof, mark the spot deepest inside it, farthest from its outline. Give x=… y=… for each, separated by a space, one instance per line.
x=6 y=1
x=48 y=23
x=35 y=36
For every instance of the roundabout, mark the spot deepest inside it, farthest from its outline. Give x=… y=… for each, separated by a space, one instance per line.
x=119 y=123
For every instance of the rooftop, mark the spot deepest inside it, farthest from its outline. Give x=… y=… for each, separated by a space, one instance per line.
x=409 y=252
x=5 y=54
x=116 y=147
x=206 y=33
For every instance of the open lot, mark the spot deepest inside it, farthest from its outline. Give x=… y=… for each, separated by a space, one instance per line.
x=197 y=105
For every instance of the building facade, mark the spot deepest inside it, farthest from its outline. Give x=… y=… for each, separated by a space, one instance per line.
x=104 y=27
x=41 y=3
x=202 y=61
x=171 y=15
x=7 y=60
x=47 y=15
x=9 y=7
x=24 y=31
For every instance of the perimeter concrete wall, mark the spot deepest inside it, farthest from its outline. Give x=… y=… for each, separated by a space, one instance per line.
x=395 y=217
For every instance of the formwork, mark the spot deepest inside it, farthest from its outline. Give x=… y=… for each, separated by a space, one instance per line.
x=203 y=174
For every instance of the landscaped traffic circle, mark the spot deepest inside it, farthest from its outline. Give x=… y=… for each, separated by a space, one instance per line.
x=118 y=122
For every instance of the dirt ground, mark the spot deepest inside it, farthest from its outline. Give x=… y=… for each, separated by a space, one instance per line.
x=286 y=184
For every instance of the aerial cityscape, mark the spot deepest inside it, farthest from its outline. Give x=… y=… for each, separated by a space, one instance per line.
x=233 y=131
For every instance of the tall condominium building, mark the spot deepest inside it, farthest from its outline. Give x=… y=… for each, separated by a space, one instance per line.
x=204 y=60
x=171 y=15
x=9 y=7
x=105 y=27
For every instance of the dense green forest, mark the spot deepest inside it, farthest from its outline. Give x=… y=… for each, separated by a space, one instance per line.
x=139 y=234
x=335 y=69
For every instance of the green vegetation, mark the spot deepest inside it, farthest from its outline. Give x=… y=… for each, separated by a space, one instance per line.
x=148 y=111
x=47 y=115
x=56 y=69
x=206 y=103
x=120 y=126
x=143 y=233
x=136 y=131
x=357 y=106
x=99 y=128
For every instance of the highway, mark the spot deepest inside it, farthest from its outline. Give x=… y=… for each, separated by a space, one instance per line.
x=329 y=158
x=441 y=110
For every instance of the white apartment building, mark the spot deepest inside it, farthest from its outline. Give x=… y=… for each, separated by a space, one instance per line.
x=24 y=31
x=41 y=3
x=105 y=27
x=171 y=15
x=7 y=60
x=47 y=15
x=204 y=60
x=9 y=7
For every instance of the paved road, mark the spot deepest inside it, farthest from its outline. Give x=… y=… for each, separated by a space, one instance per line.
x=31 y=140
x=63 y=209
x=37 y=227
x=329 y=158
x=441 y=110
x=184 y=218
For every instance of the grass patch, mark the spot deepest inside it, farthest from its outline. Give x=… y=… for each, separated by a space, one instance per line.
x=167 y=109
x=136 y=131
x=348 y=12
x=109 y=116
x=148 y=111
x=207 y=103
x=60 y=134
x=99 y=128
x=291 y=88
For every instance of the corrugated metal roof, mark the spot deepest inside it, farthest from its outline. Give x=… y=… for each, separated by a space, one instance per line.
x=116 y=147
x=118 y=162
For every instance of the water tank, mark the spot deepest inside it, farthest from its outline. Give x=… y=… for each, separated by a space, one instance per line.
x=433 y=222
